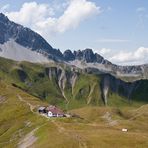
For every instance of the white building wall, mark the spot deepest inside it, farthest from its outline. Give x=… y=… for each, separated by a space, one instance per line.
x=50 y=114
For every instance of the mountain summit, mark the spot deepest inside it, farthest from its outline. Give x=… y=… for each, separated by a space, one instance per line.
x=86 y=55
x=17 y=35
x=29 y=39
x=22 y=44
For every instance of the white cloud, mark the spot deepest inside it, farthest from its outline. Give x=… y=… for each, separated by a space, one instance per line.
x=138 y=56
x=4 y=8
x=31 y=13
x=40 y=17
x=77 y=11
x=123 y=57
x=112 y=40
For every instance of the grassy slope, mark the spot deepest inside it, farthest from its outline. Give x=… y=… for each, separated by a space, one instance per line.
x=17 y=120
x=94 y=131
x=32 y=78
x=101 y=134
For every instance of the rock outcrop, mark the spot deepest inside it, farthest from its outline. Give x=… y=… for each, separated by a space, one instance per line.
x=66 y=79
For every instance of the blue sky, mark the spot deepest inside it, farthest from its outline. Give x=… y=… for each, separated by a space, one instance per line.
x=115 y=29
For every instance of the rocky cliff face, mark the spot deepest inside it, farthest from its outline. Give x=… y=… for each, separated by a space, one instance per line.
x=25 y=37
x=63 y=78
x=105 y=86
x=87 y=59
x=112 y=84
x=86 y=55
x=70 y=86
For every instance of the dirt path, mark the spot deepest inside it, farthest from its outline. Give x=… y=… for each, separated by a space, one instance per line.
x=137 y=114
x=82 y=142
x=28 y=140
x=22 y=100
x=74 y=135
x=59 y=127
x=2 y=99
x=143 y=106
x=30 y=105
x=107 y=116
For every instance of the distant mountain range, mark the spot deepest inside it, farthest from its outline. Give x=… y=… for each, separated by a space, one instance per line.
x=71 y=78
x=22 y=44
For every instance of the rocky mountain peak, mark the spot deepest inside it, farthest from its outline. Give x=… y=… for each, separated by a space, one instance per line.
x=86 y=55
x=3 y=18
x=35 y=42
x=25 y=37
x=68 y=55
x=29 y=41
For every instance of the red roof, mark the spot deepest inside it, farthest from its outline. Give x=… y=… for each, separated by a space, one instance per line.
x=54 y=110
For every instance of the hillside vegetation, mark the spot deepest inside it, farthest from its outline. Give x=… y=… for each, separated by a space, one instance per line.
x=19 y=122
x=72 y=89
x=26 y=86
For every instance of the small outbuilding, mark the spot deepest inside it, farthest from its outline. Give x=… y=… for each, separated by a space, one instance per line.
x=42 y=110
x=124 y=130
